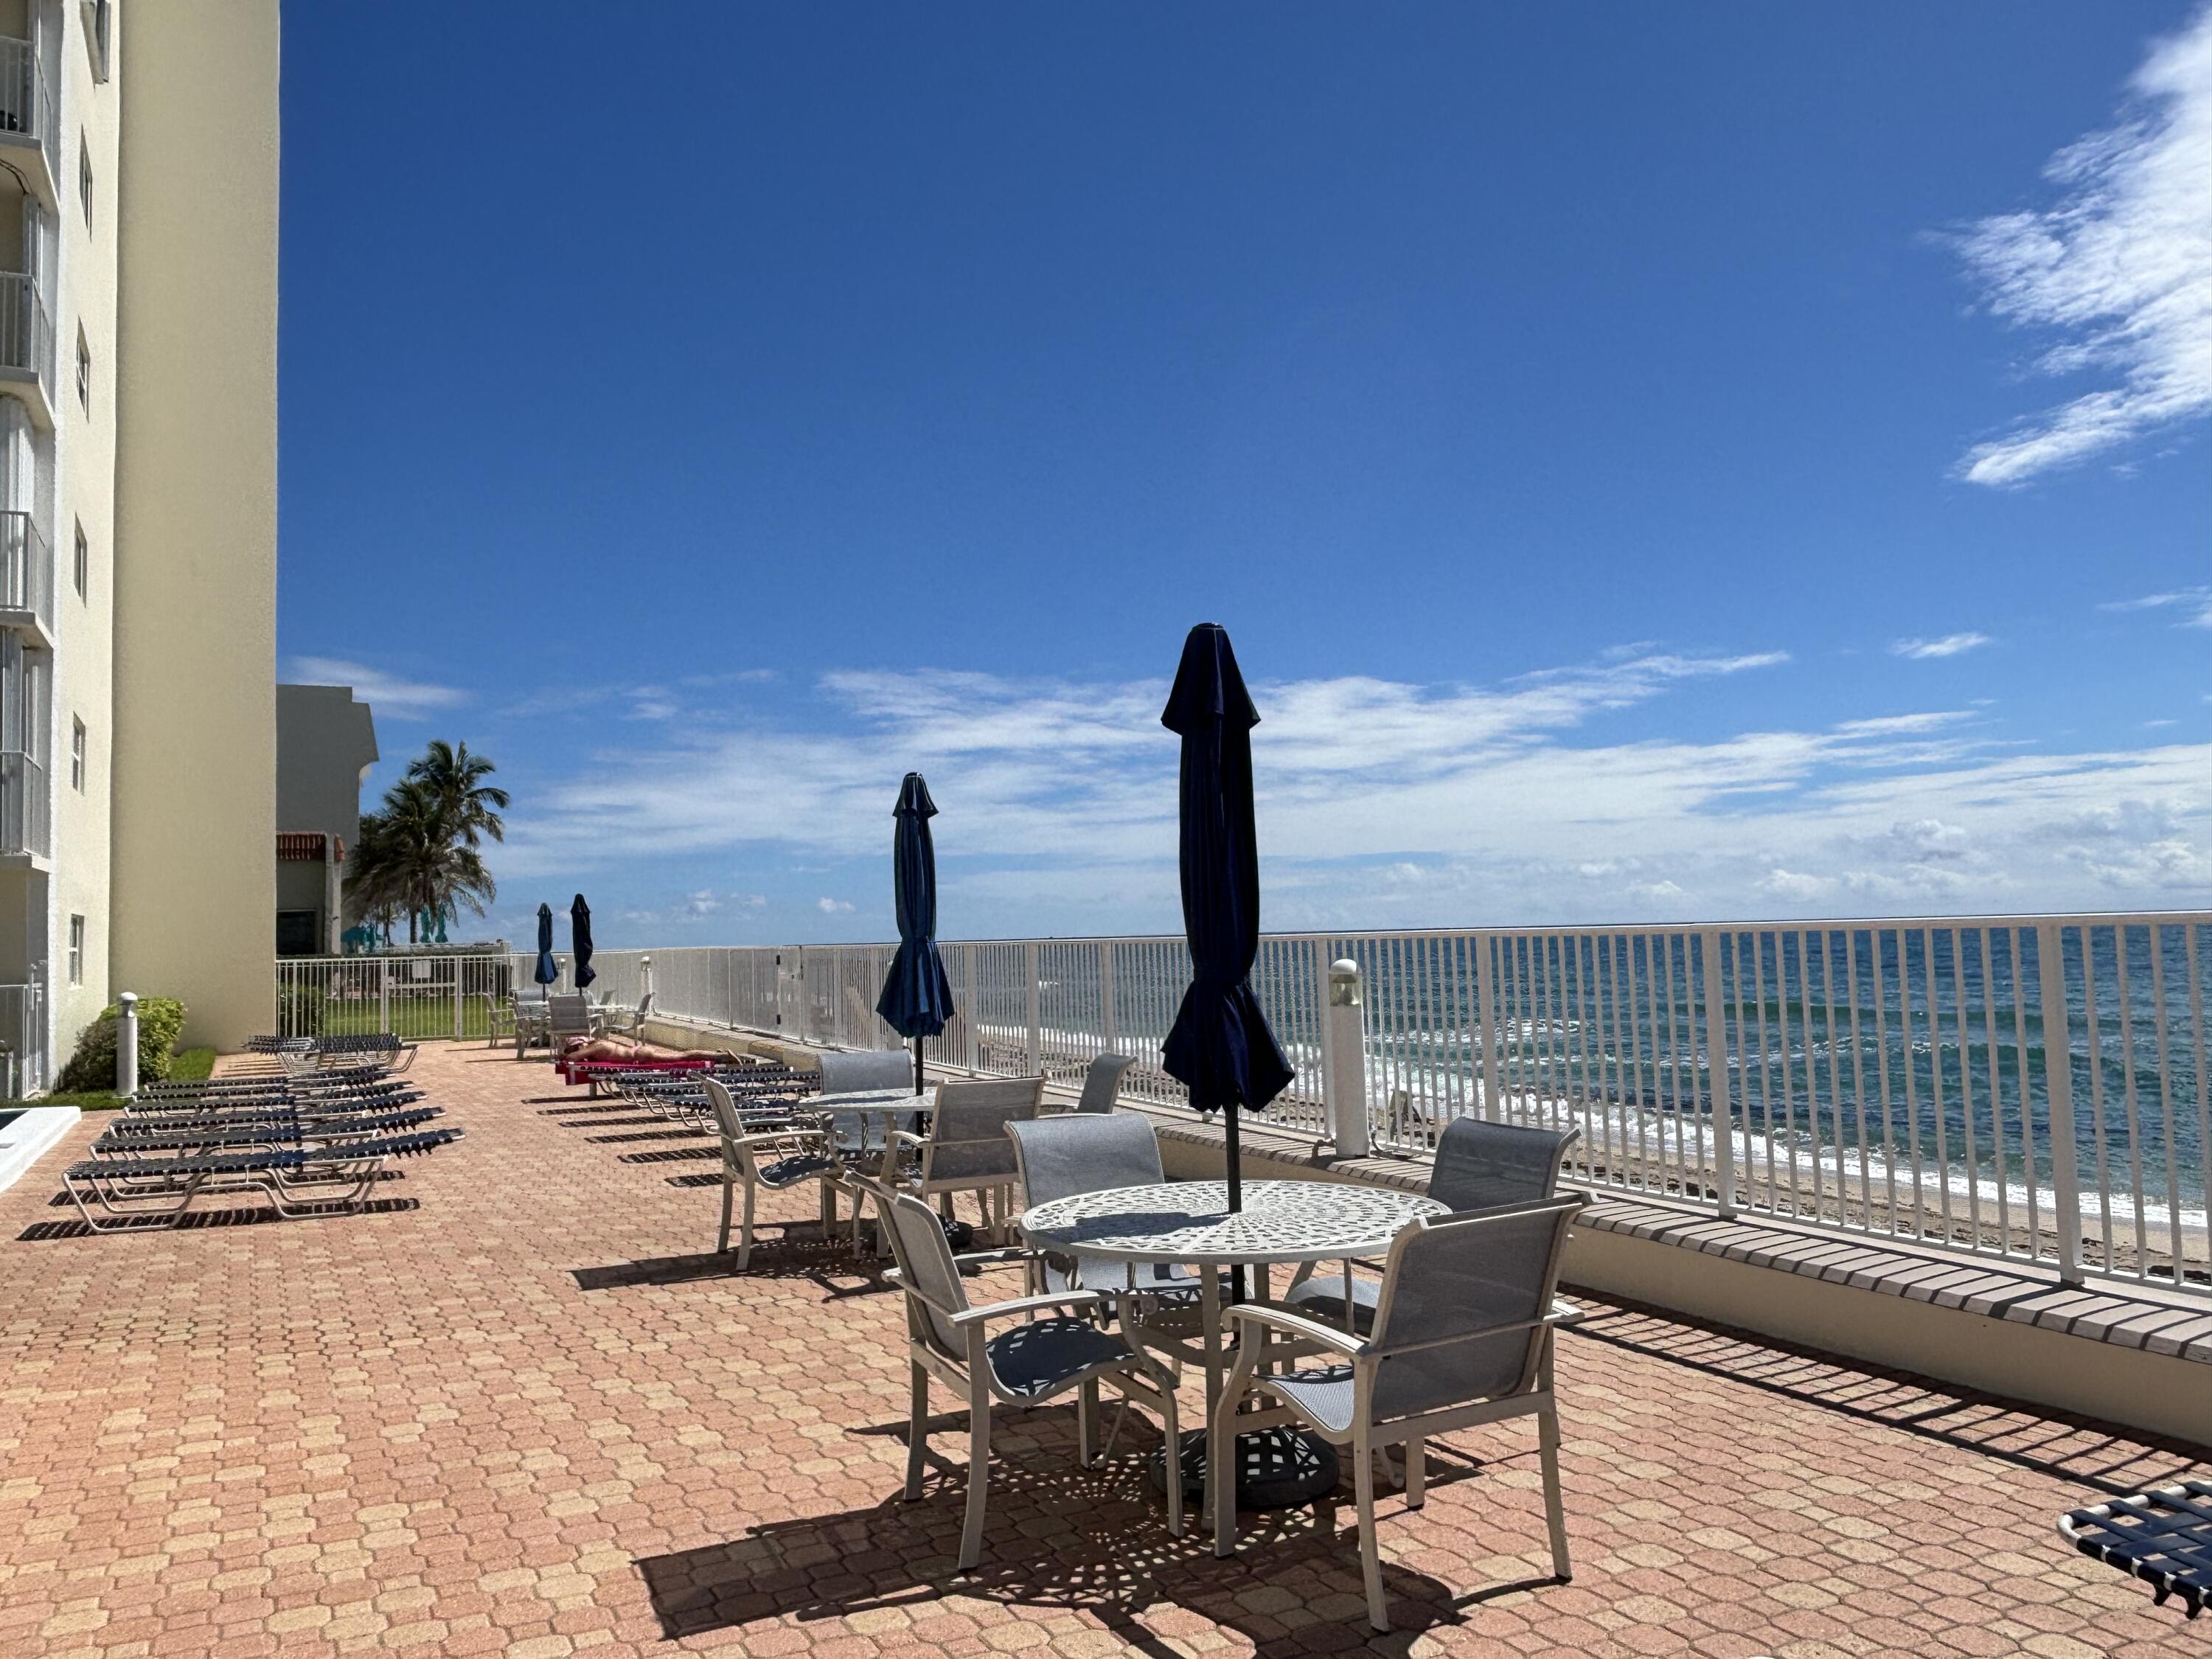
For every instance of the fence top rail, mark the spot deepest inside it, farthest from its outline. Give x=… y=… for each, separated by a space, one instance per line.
x=1569 y=930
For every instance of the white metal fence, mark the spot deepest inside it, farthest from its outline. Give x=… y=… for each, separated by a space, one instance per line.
x=2033 y=1089
x=1891 y=1077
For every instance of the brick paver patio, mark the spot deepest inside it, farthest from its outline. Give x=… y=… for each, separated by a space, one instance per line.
x=519 y=1410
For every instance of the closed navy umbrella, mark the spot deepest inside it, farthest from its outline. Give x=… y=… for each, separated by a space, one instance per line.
x=548 y=970
x=1220 y=1047
x=917 y=997
x=579 y=935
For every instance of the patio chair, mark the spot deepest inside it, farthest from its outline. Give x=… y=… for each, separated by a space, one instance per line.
x=1463 y=1336
x=967 y=1148
x=776 y=1157
x=148 y=1193
x=1032 y=1362
x=852 y=1072
x=1102 y=1082
x=1479 y=1165
x=1059 y=1157
x=569 y=1015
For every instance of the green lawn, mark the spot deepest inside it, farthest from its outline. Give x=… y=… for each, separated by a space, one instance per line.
x=411 y=1018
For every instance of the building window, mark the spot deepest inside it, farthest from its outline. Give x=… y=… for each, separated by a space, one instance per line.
x=77 y=951
x=81 y=569
x=84 y=176
x=84 y=372
x=77 y=754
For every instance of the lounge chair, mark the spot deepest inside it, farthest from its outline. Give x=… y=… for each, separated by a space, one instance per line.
x=1026 y=1364
x=120 y=1194
x=1463 y=1336
x=273 y=1133
x=1479 y=1165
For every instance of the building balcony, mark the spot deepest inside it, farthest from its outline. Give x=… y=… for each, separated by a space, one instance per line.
x=27 y=578
x=26 y=347
x=26 y=814
x=28 y=138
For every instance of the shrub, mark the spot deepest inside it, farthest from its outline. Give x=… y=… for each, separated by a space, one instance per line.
x=299 y=1011
x=92 y=1067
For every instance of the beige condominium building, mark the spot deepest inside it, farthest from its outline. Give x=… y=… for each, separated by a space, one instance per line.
x=138 y=202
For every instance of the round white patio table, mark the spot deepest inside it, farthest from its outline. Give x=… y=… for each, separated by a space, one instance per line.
x=1189 y=1223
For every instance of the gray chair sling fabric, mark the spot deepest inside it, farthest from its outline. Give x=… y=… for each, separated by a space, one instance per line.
x=1082 y=1153
x=850 y=1074
x=1102 y=1082
x=1023 y=1365
x=1480 y=1165
x=755 y=1157
x=966 y=1150
x=1463 y=1336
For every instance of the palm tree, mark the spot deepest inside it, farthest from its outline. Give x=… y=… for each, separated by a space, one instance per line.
x=456 y=778
x=418 y=852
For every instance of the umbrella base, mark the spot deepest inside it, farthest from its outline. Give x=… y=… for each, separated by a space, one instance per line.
x=1276 y=1468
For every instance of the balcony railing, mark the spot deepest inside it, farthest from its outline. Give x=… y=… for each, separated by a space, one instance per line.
x=24 y=814
x=27 y=103
x=2032 y=1089
x=27 y=568
x=27 y=330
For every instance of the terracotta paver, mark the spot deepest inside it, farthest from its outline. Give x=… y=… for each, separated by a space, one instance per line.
x=519 y=1410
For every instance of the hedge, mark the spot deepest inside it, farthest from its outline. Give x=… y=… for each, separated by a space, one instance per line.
x=160 y=1022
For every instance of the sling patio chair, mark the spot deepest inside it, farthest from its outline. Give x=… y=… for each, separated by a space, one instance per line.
x=1102 y=1082
x=967 y=1148
x=132 y=1193
x=1025 y=1364
x=776 y=1157
x=1479 y=1165
x=1463 y=1336
x=1074 y=1152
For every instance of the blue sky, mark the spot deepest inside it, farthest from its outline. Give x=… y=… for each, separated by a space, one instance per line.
x=1654 y=463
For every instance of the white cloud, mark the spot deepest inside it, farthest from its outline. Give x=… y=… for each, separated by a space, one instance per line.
x=2196 y=602
x=386 y=695
x=1385 y=803
x=2118 y=271
x=831 y=907
x=1949 y=644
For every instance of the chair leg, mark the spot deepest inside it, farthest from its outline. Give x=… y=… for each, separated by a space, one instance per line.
x=1370 y=1557
x=978 y=1474
x=917 y=1440
x=1555 y=1508
x=1416 y=1469
x=1170 y=1423
x=729 y=1192
x=746 y=1235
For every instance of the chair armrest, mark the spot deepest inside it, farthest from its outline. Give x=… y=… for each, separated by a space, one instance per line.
x=1296 y=1324
x=903 y=1136
x=773 y=1136
x=992 y=1258
x=1025 y=1304
x=1564 y=1313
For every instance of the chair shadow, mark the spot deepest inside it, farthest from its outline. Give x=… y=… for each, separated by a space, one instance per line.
x=1055 y=1536
x=40 y=1231
x=827 y=1263
x=675 y=1155
x=663 y=1132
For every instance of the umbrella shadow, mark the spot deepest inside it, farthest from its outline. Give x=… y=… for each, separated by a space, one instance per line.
x=1056 y=1536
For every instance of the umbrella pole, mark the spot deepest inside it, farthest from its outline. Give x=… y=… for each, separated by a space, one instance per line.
x=917 y=1065
x=1236 y=1196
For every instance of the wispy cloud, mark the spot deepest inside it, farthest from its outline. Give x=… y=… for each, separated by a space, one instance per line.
x=2118 y=269
x=831 y=907
x=2196 y=604
x=1948 y=644
x=387 y=695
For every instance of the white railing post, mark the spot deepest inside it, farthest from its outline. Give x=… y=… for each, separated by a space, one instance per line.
x=1486 y=1028
x=1716 y=1068
x=1344 y=1079
x=1037 y=1008
x=126 y=1044
x=2058 y=1087
x=384 y=996
x=457 y=963
x=1106 y=1032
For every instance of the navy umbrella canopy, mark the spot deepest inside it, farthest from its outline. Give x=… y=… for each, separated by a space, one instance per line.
x=917 y=997
x=548 y=970
x=1220 y=1047
x=579 y=934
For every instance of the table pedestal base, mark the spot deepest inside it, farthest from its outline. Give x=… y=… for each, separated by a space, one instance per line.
x=1277 y=1468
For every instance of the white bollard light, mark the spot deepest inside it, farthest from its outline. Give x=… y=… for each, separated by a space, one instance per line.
x=126 y=1044
x=1346 y=1083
